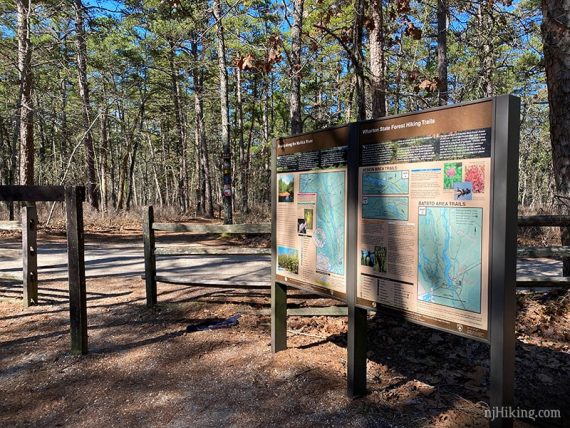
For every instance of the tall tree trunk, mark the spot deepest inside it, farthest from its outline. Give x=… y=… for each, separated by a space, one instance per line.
x=486 y=53
x=64 y=85
x=556 y=41
x=123 y=166
x=180 y=132
x=224 y=111
x=26 y=121
x=64 y=128
x=377 y=59
x=136 y=143
x=241 y=146
x=81 y=47
x=442 y=13
x=205 y=203
x=295 y=58
x=199 y=188
x=104 y=124
x=359 y=61
x=265 y=108
x=247 y=159
x=153 y=163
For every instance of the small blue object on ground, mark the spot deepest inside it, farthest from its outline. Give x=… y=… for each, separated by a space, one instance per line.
x=214 y=324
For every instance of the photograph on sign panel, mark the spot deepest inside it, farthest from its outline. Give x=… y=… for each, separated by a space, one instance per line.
x=308 y=217
x=452 y=173
x=286 y=188
x=288 y=259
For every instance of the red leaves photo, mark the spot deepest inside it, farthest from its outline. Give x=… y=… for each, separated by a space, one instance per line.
x=476 y=175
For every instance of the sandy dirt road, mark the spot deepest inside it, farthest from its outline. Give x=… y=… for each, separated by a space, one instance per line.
x=126 y=259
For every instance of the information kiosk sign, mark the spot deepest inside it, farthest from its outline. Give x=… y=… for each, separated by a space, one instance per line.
x=412 y=214
x=310 y=215
x=424 y=193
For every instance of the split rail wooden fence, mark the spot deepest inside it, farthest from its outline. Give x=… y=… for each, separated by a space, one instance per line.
x=151 y=251
x=555 y=252
x=73 y=197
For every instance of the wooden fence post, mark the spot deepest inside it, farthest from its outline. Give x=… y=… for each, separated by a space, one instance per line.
x=74 y=197
x=30 y=255
x=149 y=256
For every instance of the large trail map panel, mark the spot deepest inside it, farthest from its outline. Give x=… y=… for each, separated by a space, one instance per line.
x=449 y=257
x=329 y=232
x=385 y=183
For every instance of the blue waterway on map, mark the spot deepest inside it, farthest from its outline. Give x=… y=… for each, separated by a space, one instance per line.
x=449 y=257
x=330 y=190
x=386 y=208
x=385 y=183
x=445 y=255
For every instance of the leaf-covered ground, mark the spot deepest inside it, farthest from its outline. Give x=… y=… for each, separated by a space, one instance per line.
x=144 y=369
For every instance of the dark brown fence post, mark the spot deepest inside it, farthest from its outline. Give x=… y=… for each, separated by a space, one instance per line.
x=30 y=255
x=74 y=197
x=149 y=256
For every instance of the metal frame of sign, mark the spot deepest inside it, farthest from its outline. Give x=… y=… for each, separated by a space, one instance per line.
x=502 y=259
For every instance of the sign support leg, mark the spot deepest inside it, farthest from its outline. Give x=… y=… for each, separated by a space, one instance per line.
x=278 y=317
x=503 y=259
x=356 y=359
x=357 y=317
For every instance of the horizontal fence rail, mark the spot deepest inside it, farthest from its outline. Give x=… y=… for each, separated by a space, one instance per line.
x=546 y=252
x=151 y=252
x=544 y=221
x=213 y=228
x=10 y=254
x=216 y=283
x=10 y=225
x=32 y=193
x=11 y=276
x=209 y=251
x=543 y=281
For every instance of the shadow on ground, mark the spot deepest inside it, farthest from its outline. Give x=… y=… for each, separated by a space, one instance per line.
x=145 y=369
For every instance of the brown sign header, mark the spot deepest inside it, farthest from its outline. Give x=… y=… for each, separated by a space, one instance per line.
x=444 y=121
x=319 y=140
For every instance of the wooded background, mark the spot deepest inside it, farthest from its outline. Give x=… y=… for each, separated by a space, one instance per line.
x=168 y=102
